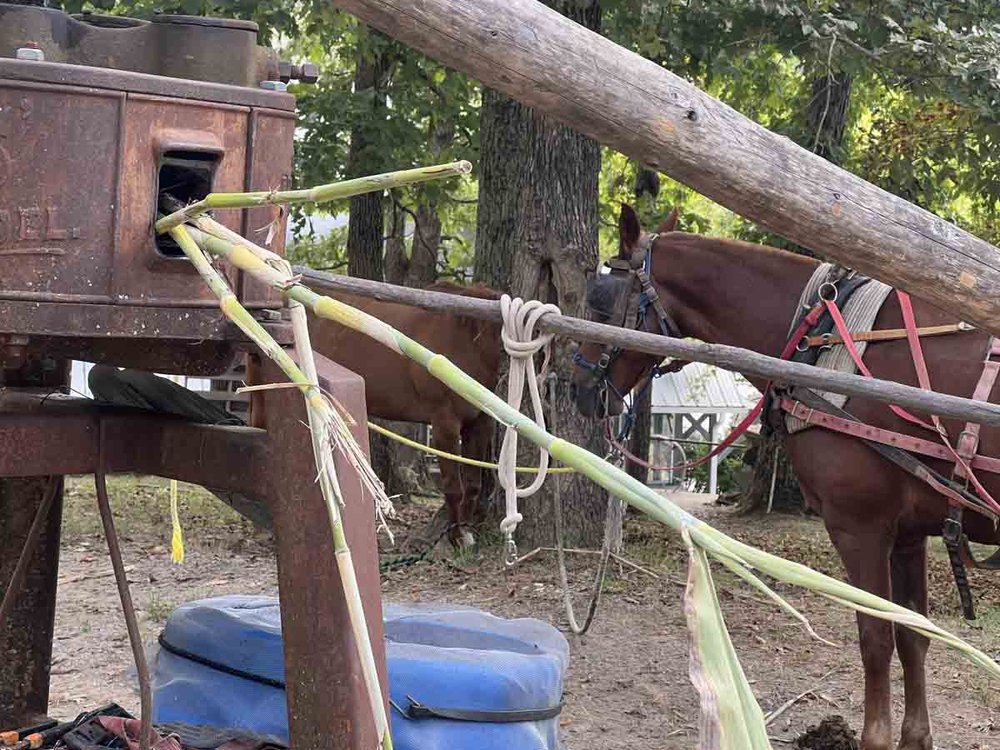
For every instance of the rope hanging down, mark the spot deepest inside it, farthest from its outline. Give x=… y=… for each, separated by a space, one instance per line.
x=521 y=344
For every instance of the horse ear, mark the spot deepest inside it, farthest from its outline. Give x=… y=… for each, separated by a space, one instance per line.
x=669 y=224
x=628 y=231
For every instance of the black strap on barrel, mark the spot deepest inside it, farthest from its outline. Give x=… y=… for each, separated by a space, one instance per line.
x=217 y=665
x=416 y=711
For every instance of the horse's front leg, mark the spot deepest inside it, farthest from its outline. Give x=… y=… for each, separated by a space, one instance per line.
x=445 y=435
x=909 y=589
x=865 y=552
x=477 y=440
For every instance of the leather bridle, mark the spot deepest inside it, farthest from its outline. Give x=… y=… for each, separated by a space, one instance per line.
x=630 y=310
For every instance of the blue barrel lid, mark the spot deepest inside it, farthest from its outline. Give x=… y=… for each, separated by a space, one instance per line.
x=437 y=654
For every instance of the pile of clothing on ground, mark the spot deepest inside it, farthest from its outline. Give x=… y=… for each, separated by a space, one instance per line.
x=111 y=726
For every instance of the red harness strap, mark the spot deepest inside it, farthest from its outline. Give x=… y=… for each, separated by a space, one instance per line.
x=876 y=434
x=988 y=378
x=808 y=321
x=968 y=440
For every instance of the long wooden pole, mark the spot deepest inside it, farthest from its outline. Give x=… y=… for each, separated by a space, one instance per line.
x=533 y=54
x=726 y=357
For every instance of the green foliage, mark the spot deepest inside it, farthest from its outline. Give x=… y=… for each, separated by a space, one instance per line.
x=731 y=469
x=922 y=121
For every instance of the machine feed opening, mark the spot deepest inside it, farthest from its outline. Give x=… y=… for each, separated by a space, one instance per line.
x=184 y=177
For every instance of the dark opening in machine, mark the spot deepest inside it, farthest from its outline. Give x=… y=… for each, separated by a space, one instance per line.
x=184 y=177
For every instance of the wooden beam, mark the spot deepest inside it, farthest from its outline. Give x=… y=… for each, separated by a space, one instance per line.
x=535 y=55
x=726 y=357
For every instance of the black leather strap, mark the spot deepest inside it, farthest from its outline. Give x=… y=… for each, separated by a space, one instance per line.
x=954 y=540
x=416 y=711
x=218 y=666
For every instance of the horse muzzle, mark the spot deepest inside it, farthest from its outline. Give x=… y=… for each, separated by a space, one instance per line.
x=596 y=402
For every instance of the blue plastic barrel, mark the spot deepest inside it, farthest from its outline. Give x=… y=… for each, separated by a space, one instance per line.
x=221 y=664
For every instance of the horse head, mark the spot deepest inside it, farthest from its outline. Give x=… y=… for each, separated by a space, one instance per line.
x=617 y=295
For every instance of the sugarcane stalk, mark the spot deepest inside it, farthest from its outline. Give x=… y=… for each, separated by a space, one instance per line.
x=320 y=414
x=616 y=481
x=321 y=194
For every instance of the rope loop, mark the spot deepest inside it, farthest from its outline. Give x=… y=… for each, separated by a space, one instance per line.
x=522 y=343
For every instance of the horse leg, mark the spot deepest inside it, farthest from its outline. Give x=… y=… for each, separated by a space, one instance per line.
x=866 y=557
x=477 y=439
x=445 y=436
x=909 y=589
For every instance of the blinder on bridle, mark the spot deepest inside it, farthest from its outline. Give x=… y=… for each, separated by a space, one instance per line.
x=623 y=297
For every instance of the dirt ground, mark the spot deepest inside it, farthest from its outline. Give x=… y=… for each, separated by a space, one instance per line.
x=627 y=685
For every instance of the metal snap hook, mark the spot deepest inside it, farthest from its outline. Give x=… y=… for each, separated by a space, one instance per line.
x=510 y=559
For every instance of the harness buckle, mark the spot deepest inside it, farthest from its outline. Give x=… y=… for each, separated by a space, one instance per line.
x=951 y=534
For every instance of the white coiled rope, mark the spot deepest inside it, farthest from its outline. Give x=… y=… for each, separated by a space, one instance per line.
x=522 y=344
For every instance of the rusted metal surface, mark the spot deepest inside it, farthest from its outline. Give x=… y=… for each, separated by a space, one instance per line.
x=327 y=702
x=26 y=637
x=167 y=340
x=56 y=231
x=269 y=161
x=44 y=435
x=110 y=321
x=96 y=245
x=197 y=48
x=140 y=83
x=154 y=127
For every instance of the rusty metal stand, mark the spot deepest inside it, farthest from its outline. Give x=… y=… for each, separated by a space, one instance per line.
x=26 y=637
x=40 y=436
x=327 y=703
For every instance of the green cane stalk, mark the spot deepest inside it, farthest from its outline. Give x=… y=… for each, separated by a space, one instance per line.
x=320 y=414
x=710 y=636
x=321 y=194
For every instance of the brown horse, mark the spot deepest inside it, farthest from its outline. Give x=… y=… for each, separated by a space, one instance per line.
x=400 y=390
x=877 y=516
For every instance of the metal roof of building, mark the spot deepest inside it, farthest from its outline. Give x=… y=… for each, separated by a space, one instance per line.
x=702 y=389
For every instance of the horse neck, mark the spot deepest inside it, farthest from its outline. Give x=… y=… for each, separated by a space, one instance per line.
x=728 y=292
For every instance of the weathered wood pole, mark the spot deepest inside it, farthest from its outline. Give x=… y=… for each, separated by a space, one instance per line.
x=535 y=55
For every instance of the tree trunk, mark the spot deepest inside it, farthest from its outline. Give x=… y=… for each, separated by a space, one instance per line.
x=366 y=223
x=827 y=119
x=537 y=238
x=396 y=262
x=365 y=235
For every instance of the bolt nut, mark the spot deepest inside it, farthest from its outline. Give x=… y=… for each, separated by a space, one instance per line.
x=31 y=52
x=308 y=73
x=284 y=71
x=274 y=85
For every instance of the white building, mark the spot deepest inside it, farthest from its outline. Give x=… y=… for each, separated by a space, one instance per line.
x=699 y=404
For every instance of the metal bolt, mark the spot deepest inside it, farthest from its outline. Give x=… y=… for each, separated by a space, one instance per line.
x=274 y=85
x=30 y=51
x=305 y=73
x=308 y=73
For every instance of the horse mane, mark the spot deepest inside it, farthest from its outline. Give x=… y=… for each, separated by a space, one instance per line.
x=479 y=291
